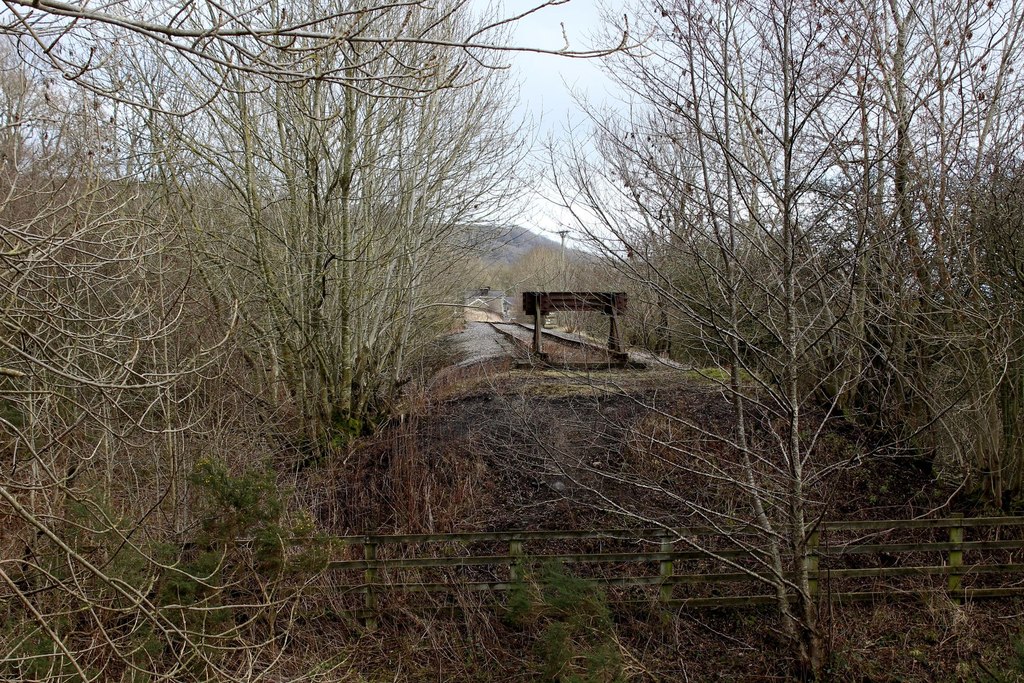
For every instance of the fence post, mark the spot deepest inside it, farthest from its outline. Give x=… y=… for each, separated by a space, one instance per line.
x=954 y=584
x=811 y=562
x=666 y=570
x=515 y=549
x=369 y=578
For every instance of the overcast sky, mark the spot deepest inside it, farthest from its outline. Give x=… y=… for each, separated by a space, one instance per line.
x=546 y=80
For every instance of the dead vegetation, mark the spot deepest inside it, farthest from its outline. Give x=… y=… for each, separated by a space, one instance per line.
x=495 y=448
x=499 y=448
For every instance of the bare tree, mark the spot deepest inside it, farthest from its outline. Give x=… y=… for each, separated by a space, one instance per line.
x=267 y=40
x=789 y=190
x=346 y=207
x=92 y=351
x=212 y=216
x=715 y=198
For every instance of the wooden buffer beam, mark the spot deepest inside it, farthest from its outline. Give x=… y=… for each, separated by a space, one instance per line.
x=612 y=304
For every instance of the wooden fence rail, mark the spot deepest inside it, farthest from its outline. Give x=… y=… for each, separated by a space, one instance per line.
x=689 y=559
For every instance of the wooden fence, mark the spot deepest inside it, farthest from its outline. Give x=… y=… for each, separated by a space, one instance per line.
x=697 y=567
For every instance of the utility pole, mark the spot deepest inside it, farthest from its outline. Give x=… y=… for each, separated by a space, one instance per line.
x=561 y=256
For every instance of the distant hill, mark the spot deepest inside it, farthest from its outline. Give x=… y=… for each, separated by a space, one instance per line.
x=504 y=244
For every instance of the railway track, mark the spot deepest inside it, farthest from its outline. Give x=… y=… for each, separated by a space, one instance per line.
x=561 y=350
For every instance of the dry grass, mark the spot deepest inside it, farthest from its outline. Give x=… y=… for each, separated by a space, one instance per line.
x=481 y=448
